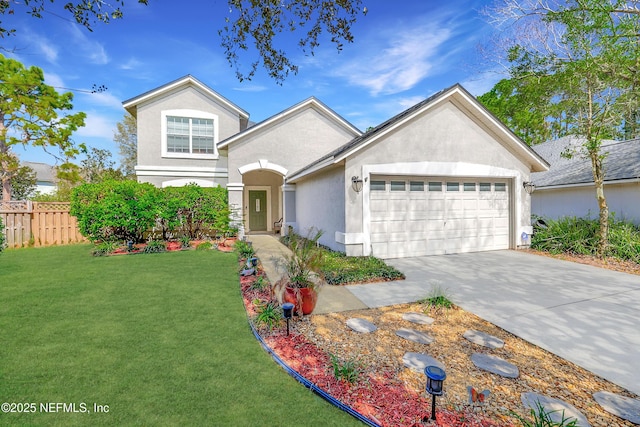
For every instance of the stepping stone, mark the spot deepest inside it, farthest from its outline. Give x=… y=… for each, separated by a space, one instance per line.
x=419 y=318
x=415 y=336
x=419 y=361
x=618 y=405
x=555 y=407
x=361 y=325
x=495 y=365
x=484 y=339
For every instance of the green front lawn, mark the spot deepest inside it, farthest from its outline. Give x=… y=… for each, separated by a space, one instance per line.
x=161 y=339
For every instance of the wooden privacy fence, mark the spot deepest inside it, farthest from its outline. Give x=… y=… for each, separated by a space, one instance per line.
x=29 y=223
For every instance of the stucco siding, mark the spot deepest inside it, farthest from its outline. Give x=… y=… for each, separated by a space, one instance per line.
x=623 y=199
x=442 y=142
x=149 y=123
x=291 y=143
x=320 y=204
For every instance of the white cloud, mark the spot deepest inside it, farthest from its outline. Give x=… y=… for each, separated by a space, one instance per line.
x=53 y=80
x=96 y=125
x=131 y=64
x=403 y=58
x=251 y=88
x=105 y=99
x=94 y=51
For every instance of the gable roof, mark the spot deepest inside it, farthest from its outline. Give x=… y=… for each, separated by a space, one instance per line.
x=44 y=172
x=622 y=162
x=311 y=102
x=185 y=81
x=456 y=93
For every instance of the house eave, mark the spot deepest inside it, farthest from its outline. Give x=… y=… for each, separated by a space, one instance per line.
x=131 y=104
x=588 y=184
x=309 y=102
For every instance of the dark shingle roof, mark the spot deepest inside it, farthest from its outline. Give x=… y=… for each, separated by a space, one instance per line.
x=622 y=162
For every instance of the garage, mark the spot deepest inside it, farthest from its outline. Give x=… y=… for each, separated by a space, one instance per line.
x=413 y=216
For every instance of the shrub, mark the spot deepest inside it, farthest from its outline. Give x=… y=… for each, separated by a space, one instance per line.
x=197 y=211
x=542 y=418
x=580 y=236
x=269 y=314
x=204 y=246
x=115 y=210
x=154 y=247
x=185 y=242
x=348 y=370
x=2 y=238
x=104 y=248
x=437 y=300
x=260 y=283
x=339 y=269
x=244 y=249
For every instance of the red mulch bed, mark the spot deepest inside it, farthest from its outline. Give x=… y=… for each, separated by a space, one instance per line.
x=380 y=397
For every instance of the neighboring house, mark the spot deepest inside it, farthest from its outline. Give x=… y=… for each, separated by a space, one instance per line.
x=568 y=189
x=444 y=176
x=45 y=177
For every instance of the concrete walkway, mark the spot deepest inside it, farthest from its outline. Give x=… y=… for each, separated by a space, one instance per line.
x=588 y=315
x=331 y=299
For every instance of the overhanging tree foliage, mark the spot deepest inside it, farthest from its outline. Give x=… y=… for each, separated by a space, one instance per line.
x=86 y=12
x=254 y=25
x=576 y=62
x=32 y=113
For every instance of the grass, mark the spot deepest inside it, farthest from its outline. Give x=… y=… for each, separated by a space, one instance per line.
x=340 y=269
x=162 y=339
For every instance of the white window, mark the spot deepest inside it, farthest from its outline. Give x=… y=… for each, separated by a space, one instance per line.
x=189 y=133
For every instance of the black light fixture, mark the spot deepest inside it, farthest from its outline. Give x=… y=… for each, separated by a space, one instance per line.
x=435 y=378
x=529 y=187
x=287 y=311
x=356 y=183
x=130 y=245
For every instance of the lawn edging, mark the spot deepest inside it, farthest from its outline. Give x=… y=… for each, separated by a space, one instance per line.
x=307 y=383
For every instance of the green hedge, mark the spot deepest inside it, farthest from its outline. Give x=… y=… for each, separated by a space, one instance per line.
x=580 y=236
x=129 y=210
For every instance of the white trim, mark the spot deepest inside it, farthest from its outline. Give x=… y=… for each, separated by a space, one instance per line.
x=245 y=202
x=190 y=114
x=184 y=181
x=183 y=82
x=235 y=186
x=261 y=165
x=349 y=238
x=444 y=169
x=310 y=102
x=181 y=172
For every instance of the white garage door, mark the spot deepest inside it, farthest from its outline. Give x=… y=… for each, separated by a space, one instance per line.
x=431 y=216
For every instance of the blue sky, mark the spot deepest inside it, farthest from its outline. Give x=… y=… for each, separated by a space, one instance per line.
x=403 y=53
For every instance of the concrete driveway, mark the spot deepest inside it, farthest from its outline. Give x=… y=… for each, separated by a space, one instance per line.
x=584 y=314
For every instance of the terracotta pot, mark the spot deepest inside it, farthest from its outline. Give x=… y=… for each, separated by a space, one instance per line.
x=309 y=298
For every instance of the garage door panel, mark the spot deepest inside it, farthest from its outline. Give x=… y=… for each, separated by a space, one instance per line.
x=432 y=220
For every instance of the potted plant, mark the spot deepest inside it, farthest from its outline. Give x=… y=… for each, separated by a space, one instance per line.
x=301 y=280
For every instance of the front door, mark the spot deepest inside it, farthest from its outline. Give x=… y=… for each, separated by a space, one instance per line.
x=257 y=210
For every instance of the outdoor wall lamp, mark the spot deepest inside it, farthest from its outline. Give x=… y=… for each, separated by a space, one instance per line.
x=356 y=183
x=529 y=187
x=287 y=312
x=435 y=378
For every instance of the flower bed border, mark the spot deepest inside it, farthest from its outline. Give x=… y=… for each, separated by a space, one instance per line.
x=414 y=409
